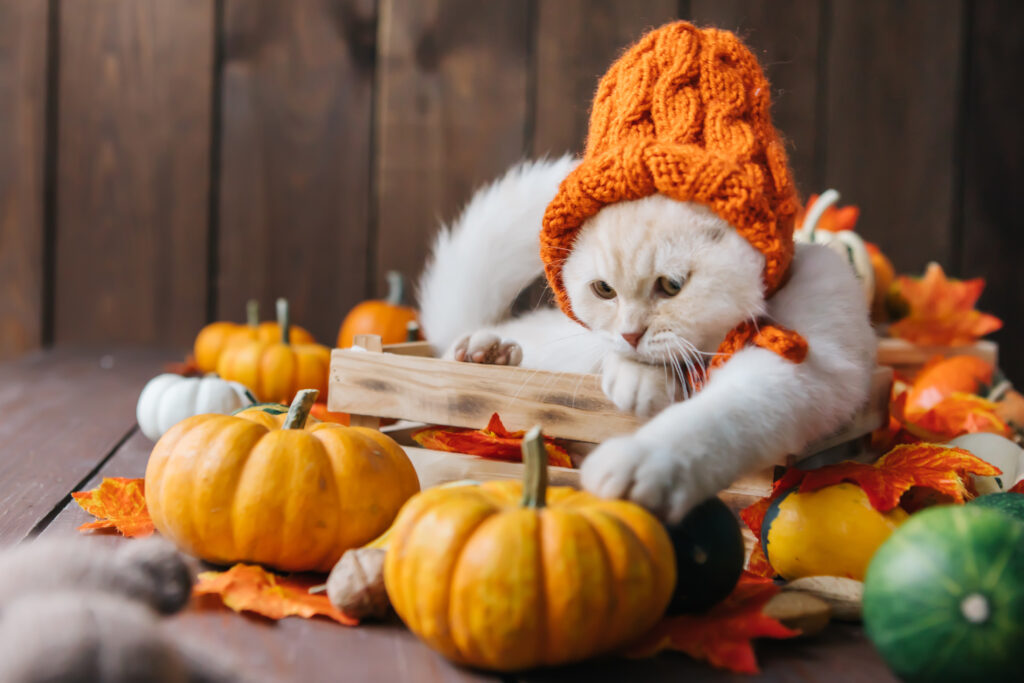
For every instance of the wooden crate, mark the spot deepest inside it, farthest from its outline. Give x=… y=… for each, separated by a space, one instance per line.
x=907 y=358
x=405 y=382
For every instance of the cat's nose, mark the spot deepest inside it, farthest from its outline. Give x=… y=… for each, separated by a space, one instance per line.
x=633 y=337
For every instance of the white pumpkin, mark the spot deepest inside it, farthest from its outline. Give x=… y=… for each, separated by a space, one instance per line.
x=846 y=243
x=168 y=399
x=995 y=450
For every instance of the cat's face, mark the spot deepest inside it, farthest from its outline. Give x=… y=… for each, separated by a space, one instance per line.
x=671 y=272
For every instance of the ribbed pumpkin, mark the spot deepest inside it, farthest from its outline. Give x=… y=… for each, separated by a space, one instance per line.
x=229 y=489
x=508 y=576
x=387 y=318
x=213 y=339
x=275 y=370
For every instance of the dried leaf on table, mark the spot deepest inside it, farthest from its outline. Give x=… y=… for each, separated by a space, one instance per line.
x=494 y=442
x=250 y=588
x=722 y=636
x=119 y=503
x=1018 y=487
x=941 y=310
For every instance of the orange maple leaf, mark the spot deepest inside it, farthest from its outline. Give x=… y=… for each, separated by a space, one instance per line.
x=833 y=219
x=721 y=636
x=494 y=441
x=941 y=377
x=119 y=503
x=942 y=310
x=1018 y=487
x=250 y=588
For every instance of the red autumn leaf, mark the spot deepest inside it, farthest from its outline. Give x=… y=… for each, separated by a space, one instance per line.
x=722 y=636
x=249 y=588
x=1018 y=487
x=494 y=442
x=758 y=564
x=941 y=310
x=186 y=368
x=119 y=503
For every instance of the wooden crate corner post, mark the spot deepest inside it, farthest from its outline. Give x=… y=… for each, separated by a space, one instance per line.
x=372 y=344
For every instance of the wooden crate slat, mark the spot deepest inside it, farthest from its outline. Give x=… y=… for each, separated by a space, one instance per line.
x=466 y=394
x=900 y=353
x=569 y=406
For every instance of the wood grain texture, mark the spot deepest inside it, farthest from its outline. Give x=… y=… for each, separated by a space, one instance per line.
x=576 y=42
x=64 y=412
x=902 y=355
x=133 y=170
x=295 y=157
x=569 y=406
x=993 y=173
x=451 y=114
x=893 y=83
x=784 y=36
x=23 y=38
x=840 y=654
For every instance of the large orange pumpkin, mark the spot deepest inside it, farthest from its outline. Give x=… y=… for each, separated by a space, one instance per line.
x=213 y=339
x=275 y=370
x=508 y=576
x=388 y=318
x=233 y=489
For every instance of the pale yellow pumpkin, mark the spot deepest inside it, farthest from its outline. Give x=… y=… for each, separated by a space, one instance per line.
x=507 y=576
x=229 y=489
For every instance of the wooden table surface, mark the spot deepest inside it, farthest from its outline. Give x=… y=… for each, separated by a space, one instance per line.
x=68 y=419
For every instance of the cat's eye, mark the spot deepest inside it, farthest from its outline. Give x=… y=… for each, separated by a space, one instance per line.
x=669 y=286
x=602 y=289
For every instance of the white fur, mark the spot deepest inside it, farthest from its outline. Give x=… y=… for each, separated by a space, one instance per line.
x=489 y=254
x=754 y=409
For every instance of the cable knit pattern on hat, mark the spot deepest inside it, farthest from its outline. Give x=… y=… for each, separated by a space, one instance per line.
x=684 y=113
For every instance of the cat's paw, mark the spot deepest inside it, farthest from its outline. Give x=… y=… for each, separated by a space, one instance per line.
x=487 y=348
x=650 y=475
x=636 y=387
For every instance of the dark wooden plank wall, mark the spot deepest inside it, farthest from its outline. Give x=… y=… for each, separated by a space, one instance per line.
x=161 y=162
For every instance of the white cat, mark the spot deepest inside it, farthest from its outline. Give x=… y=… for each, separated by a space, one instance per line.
x=657 y=301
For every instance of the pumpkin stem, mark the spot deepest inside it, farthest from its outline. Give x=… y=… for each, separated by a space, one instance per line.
x=252 y=312
x=535 y=477
x=298 y=412
x=412 y=331
x=824 y=201
x=284 y=320
x=396 y=288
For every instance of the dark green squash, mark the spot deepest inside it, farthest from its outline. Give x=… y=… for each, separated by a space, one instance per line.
x=709 y=554
x=944 y=596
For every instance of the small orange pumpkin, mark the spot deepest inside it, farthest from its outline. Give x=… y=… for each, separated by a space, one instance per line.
x=213 y=339
x=294 y=496
x=275 y=370
x=387 y=318
x=508 y=576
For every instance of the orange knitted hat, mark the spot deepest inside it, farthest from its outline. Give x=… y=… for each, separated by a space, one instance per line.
x=684 y=113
